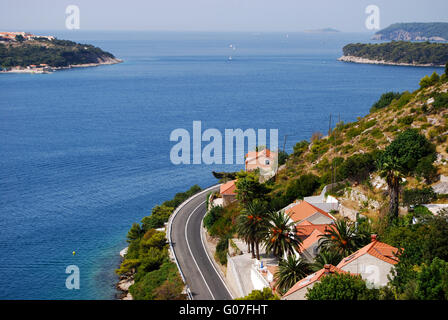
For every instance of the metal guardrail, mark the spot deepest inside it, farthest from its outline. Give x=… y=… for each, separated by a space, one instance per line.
x=170 y=220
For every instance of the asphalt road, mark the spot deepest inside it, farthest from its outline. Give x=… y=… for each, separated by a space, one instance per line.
x=200 y=274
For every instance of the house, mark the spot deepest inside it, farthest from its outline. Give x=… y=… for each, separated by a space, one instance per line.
x=373 y=262
x=228 y=192
x=310 y=234
x=264 y=160
x=302 y=210
x=299 y=290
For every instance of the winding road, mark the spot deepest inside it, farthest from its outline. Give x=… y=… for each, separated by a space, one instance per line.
x=198 y=271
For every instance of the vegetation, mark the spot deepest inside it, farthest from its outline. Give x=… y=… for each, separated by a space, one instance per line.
x=415 y=30
x=385 y=100
x=399 y=144
x=343 y=238
x=265 y=294
x=290 y=271
x=340 y=286
x=409 y=153
x=55 y=53
x=281 y=237
x=155 y=276
x=401 y=52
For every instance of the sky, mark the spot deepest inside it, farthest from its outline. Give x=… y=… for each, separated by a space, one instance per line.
x=216 y=15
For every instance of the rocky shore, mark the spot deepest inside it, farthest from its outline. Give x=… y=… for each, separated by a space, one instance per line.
x=125 y=281
x=384 y=62
x=102 y=61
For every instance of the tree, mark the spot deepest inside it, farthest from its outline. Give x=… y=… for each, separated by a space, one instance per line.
x=290 y=271
x=391 y=170
x=265 y=294
x=385 y=100
x=304 y=186
x=20 y=38
x=324 y=257
x=342 y=238
x=252 y=225
x=415 y=197
x=400 y=158
x=300 y=147
x=341 y=286
x=170 y=290
x=282 y=157
x=432 y=281
x=135 y=233
x=281 y=237
x=248 y=188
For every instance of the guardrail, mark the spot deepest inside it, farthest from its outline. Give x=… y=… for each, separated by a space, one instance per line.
x=170 y=220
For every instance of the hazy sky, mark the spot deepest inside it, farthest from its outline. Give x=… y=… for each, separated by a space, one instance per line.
x=216 y=15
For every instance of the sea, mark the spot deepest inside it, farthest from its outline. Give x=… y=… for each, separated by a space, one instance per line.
x=85 y=152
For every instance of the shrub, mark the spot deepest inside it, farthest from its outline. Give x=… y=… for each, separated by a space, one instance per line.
x=304 y=186
x=265 y=294
x=385 y=100
x=407 y=120
x=341 y=287
x=221 y=250
x=300 y=147
x=212 y=216
x=417 y=197
x=440 y=101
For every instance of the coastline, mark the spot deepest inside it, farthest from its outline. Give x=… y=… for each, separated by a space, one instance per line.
x=107 y=61
x=354 y=59
x=125 y=281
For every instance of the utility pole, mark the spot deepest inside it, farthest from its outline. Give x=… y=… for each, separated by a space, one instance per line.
x=284 y=142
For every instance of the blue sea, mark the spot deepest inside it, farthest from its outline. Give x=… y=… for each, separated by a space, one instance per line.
x=86 y=152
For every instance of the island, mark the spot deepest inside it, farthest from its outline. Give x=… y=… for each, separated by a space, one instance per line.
x=397 y=53
x=414 y=31
x=22 y=52
x=324 y=30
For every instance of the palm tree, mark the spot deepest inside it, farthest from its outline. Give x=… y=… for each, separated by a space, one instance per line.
x=252 y=225
x=281 y=237
x=326 y=257
x=342 y=238
x=289 y=272
x=391 y=170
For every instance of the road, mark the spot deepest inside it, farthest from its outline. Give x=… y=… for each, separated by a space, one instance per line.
x=199 y=272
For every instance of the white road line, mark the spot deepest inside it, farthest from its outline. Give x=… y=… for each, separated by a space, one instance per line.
x=170 y=222
x=188 y=245
x=211 y=262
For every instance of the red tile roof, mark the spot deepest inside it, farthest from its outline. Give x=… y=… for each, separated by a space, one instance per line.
x=310 y=233
x=378 y=249
x=303 y=210
x=312 y=278
x=228 y=188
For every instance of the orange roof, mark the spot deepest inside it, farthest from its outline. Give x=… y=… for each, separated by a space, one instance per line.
x=303 y=210
x=228 y=188
x=378 y=249
x=310 y=233
x=313 y=278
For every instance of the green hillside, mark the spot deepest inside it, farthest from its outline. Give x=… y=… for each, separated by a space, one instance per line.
x=401 y=52
x=414 y=31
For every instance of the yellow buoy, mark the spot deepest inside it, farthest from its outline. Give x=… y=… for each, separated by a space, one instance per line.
x=74 y=252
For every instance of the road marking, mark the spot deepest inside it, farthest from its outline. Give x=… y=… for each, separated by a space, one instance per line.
x=211 y=262
x=170 y=222
x=188 y=245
